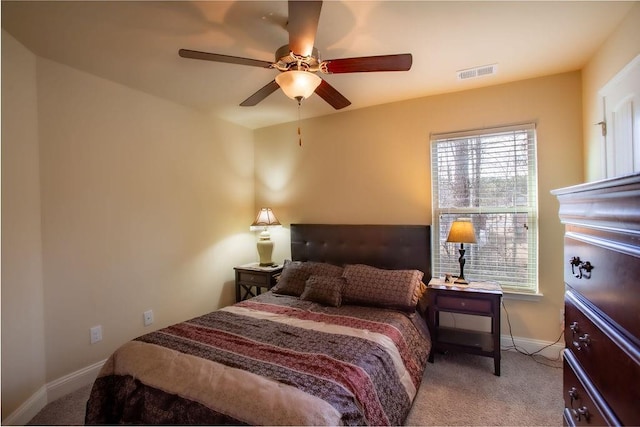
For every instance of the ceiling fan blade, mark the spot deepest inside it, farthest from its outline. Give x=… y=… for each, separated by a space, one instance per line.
x=303 y=25
x=401 y=62
x=194 y=54
x=332 y=96
x=261 y=94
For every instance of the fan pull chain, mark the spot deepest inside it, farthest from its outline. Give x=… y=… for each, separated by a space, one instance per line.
x=299 y=133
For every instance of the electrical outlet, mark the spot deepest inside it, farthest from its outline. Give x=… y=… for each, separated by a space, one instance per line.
x=96 y=334
x=148 y=317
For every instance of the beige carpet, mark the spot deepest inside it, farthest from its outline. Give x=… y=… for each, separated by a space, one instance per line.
x=460 y=389
x=457 y=389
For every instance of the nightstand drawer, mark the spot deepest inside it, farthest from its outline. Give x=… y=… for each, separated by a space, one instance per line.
x=254 y=278
x=468 y=305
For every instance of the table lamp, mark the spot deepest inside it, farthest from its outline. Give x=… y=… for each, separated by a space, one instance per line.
x=264 y=220
x=462 y=232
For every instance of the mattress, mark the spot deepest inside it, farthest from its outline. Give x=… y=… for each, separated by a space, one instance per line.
x=271 y=360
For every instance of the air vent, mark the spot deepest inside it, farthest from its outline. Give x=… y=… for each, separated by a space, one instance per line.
x=472 y=73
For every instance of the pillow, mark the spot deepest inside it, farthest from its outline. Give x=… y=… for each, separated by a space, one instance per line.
x=295 y=274
x=368 y=285
x=324 y=290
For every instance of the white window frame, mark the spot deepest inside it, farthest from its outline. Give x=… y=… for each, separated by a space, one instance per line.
x=504 y=231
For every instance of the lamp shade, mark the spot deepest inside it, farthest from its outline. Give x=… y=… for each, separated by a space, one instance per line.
x=462 y=231
x=265 y=218
x=297 y=84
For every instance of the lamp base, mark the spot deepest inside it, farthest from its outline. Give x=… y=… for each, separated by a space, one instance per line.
x=461 y=281
x=265 y=249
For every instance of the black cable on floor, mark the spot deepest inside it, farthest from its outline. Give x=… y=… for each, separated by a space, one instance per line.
x=535 y=353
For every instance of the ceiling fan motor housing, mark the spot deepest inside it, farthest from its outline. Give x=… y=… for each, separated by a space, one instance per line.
x=287 y=60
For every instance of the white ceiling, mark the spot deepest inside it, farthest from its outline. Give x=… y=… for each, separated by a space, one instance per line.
x=136 y=44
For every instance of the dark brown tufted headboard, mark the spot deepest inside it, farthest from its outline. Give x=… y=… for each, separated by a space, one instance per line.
x=384 y=246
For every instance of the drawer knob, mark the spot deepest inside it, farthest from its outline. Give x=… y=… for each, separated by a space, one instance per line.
x=583 y=342
x=581 y=412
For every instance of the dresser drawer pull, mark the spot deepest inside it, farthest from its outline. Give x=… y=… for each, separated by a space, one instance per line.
x=574 y=327
x=584 y=340
x=581 y=412
x=584 y=268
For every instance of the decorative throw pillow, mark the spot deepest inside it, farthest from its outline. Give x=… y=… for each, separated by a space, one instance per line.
x=324 y=290
x=292 y=278
x=368 y=285
x=295 y=274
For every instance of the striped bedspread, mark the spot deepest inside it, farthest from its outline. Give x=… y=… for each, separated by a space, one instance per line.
x=271 y=360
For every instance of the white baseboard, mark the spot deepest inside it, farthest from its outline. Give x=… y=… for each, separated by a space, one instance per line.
x=74 y=381
x=53 y=391
x=549 y=349
x=28 y=409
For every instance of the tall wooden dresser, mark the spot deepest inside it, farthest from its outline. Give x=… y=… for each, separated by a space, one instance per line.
x=602 y=301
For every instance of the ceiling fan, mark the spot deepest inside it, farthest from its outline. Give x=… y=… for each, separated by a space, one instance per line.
x=299 y=61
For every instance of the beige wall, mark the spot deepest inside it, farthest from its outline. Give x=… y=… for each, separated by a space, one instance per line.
x=23 y=353
x=144 y=205
x=372 y=166
x=619 y=49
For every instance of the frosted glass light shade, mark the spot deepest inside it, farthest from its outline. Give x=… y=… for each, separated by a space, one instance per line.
x=298 y=84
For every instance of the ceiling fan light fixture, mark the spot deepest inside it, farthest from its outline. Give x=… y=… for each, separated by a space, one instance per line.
x=297 y=84
x=298 y=61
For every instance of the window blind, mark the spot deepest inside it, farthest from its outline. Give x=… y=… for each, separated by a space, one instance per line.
x=490 y=176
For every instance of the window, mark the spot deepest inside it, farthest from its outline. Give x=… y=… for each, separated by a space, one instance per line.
x=489 y=176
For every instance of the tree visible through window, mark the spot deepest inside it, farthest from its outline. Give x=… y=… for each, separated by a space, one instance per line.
x=489 y=176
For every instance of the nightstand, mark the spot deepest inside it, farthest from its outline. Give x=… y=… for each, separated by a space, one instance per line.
x=251 y=279
x=478 y=299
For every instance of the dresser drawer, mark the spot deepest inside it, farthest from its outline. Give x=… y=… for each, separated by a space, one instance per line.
x=613 y=283
x=466 y=305
x=583 y=405
x=253 y=278
x=611 y=362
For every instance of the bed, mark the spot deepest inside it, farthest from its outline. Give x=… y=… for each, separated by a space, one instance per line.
x=340 y=340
